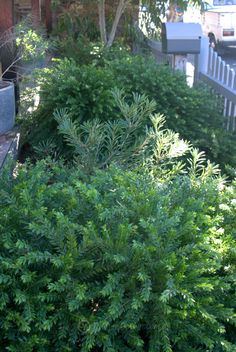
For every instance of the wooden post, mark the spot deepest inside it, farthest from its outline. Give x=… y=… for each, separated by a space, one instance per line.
x=36 y=12
x=48 y=15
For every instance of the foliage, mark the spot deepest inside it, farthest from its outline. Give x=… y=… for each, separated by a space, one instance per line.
x=30 y=42
x=85 y=91
x=72 y=23
x=125 y=141
x=22 y=44
x=83 y=52
x=113 y=19
x=116 y=261
x=195 y=113
x=184 y=107
x=86 y=94
x=79 y=49
x=95 y=19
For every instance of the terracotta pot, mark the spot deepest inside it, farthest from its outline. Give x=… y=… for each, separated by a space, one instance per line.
x=7 y=106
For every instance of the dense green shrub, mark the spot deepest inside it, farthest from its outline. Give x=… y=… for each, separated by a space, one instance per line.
x=195 y=113
x=86 y=92
x=127 y=141
x=81 y=50
x=115 y=262
x=85 y=52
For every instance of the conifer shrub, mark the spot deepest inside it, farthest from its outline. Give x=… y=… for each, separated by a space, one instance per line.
x=195 y=113
x=115 y=261
x=86 y=92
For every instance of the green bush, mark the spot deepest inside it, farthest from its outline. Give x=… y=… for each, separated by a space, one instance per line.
x=85 y=52
x=127 y=141
x=115 y=262
x=195 y=113
x=85 y=91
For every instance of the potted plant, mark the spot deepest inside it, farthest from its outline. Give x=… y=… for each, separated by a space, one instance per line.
x=18 y=45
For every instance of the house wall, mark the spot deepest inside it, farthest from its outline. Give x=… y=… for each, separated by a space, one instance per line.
x=6 y=15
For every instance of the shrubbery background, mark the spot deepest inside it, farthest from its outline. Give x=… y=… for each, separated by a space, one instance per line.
x=86 y=93
x=117 y=261
x=123 y=240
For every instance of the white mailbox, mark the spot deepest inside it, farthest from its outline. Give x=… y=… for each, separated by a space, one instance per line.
x=181 y=38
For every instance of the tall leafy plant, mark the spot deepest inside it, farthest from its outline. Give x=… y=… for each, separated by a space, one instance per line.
x=127 y=141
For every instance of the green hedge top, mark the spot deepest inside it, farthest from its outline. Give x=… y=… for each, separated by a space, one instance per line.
x=86 y=92
x=115 y=262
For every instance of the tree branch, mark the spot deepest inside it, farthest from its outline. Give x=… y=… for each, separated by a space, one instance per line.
x=11 y=65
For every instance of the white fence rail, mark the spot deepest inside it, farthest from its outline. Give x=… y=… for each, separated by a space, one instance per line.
x=222 y=79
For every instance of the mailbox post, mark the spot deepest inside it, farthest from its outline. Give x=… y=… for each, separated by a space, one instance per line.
x=180 y=39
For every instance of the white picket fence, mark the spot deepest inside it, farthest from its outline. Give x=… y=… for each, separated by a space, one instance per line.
x=222 y=78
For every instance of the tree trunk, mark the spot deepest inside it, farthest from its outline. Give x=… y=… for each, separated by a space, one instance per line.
x=102 y=21
x=120 y=8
